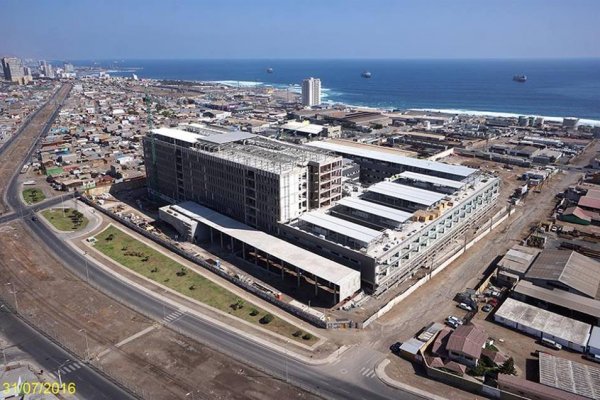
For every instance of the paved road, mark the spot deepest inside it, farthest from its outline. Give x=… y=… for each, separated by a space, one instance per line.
x=28 y=211
x=352 y=378
x=89 y=384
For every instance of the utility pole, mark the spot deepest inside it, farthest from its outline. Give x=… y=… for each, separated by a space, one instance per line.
x=87 y=345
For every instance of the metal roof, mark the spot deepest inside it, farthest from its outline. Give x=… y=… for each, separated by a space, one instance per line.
x=549 y=323
x=432 y=179
x=412 y=346
x=570 y=376
x=312 y=129
x=341 y=226
x=178 y=134
x=228 y=137
x=308 y=261
x=458 y=170
x=375 y=209
x=518 y=259
x=568 y=267
x=561 y=298
x=408 y=193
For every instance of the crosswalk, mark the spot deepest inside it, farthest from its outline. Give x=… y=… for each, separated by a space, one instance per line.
x=367 y=372
x=173 y=316
x=66 y=369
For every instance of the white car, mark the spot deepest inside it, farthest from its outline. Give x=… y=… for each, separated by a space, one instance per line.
x=455 y=319
x=465 y=306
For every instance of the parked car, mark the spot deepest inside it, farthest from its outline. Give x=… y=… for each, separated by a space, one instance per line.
x=465 y=306
x=493 y=302
x=550 y=343
x=451 y=323
x=459 y=321
x=488 y=308
x=395 y=348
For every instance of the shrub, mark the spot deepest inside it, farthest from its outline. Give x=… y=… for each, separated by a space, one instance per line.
x=110 y=237
x=508 y=367
x=253 y=312
x=193 y=287
x=307 y=336
x=266 y=319
x=153 y=270
x=181 y=272
x=298 y=333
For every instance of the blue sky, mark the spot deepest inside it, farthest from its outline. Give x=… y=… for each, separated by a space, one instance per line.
x=108 y=29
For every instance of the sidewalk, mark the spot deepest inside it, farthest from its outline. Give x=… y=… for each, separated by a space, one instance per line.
x=381 y=374
x=192 y=306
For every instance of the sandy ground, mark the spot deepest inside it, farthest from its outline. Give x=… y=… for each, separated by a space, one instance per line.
x=61 y=305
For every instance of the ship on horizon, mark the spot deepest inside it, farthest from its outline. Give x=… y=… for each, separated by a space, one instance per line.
x=520 y=78
x=366 y=74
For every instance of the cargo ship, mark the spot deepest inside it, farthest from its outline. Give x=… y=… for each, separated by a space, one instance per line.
x=520 y=78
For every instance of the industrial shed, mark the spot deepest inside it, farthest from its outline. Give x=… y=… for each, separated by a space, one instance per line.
x=540 y=323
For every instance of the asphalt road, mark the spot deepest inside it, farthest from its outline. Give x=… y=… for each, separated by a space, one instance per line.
x=352 y=378
x=89 y=384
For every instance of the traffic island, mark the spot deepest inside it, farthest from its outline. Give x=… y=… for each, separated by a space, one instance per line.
x=33 y=195
x=150 y=263
x=65 y=219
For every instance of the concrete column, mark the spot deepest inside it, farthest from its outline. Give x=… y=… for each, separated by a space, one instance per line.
x=244 y=251
x=267 y=257
x=316 y=285
x=298 y=277
x=255 y=256
x=282 y=269
x=232 y=247
x=222 y=246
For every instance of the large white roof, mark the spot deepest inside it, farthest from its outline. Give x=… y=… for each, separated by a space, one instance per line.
x=341 y=226
x=375 y=209
x=178 y=134
x=408 y=193
x=312 y=129
x=307 y=261
x=432 y=179
x=396 y=159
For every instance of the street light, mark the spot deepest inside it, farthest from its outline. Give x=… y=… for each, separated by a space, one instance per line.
x=87 y=345
x=58 y=370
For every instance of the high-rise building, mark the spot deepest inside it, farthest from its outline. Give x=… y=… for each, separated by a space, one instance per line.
x=258 y=181
x=311 y=92
x=13 y=69
x=69 y=68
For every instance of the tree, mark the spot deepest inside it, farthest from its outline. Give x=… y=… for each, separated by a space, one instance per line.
x=266 y=319
x=307 y=336
x=253 y=312
x=508 y=367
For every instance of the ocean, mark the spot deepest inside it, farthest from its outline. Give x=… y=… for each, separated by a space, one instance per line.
x=556 y=88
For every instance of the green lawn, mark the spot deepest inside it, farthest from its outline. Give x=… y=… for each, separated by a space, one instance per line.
x=150 y=263
x=65 y=219
x=33 y=195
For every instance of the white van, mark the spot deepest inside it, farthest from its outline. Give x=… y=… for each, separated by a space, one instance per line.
x=551 y=343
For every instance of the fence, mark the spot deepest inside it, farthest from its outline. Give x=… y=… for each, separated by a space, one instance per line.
x=197 y=260
x=500 y=217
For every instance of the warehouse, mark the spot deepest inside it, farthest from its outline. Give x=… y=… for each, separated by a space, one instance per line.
x=326 y=277
x=540 y=323
x=570 y=376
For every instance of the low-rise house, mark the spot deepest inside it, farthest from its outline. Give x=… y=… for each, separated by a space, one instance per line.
x=466 y=343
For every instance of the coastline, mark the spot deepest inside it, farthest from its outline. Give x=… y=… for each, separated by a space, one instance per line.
x=326 y=93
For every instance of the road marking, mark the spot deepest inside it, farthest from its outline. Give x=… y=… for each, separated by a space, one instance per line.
x=363 y=369
x=76 y=365
x=371 y=374
x=69 y=368
x=173 y=316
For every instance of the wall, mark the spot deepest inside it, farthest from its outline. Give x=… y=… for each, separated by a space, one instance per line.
x=427 y=277
x=246 y=286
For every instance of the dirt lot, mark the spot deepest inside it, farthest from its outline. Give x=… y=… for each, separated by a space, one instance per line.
x=156 y=364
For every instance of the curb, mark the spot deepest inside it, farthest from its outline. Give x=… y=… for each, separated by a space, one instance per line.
x=383 y=377
x=222 y=325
